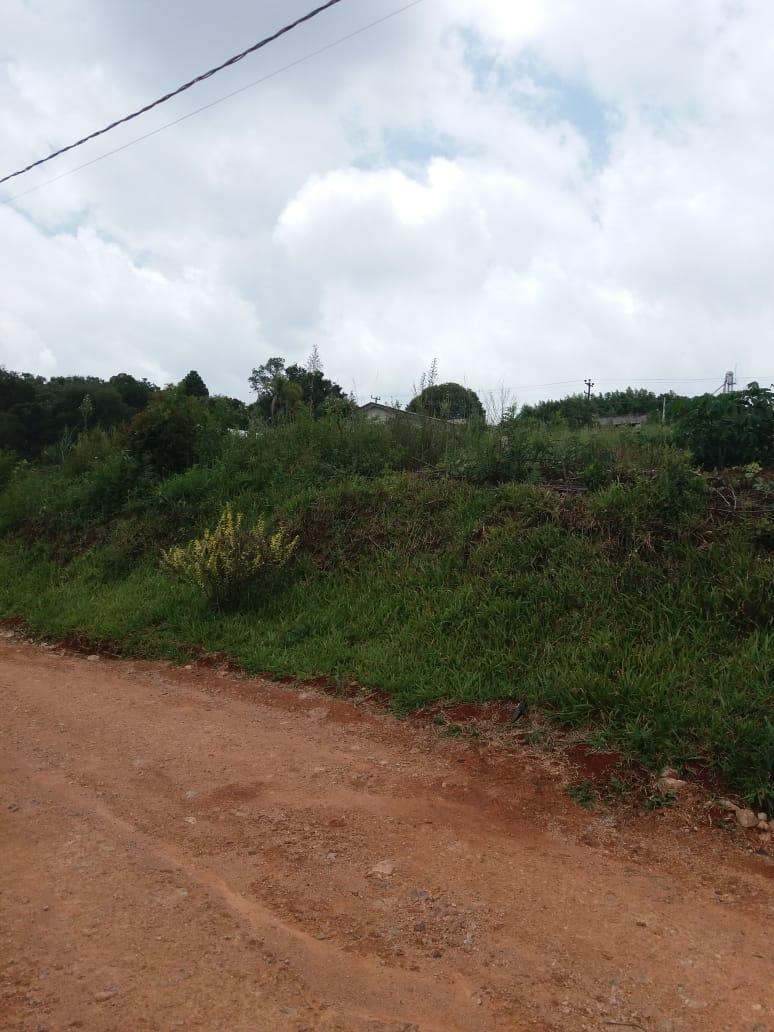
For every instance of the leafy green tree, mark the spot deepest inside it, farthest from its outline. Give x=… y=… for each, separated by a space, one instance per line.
x=166 y=434
x=448 y=401
x=574 y=411
x=629 y=402
x=17 y=388
x=135 y=394
x=729 y=429
x=268 y=382
x=229 y=413
x=282 y=392
x=263 y=378
x=577 y=411
x=287 y=399
x=317 y=391
x=193 y=385
x=36 y=413
x=22 y=413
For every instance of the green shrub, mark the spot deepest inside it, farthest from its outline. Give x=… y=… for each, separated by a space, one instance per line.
x=166 y=435
x=88 y=450
x=729 y=429
x=225 y=561
x=665 y=504
x=7 y=466
x=27 y=496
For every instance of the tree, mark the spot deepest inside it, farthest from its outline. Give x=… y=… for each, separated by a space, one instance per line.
x=263 y=378
x=448 y=401
x=316 y=390
x=136 y=394
x=574 y=411
x=729 y=429
x=577 y=410
x=36 y=413
x=287 y=400
x=276 y=395
x=22 y=414
x=166 y=434
x=626 y=403
x=193 y=385
x=283 y=391
x=228 y=413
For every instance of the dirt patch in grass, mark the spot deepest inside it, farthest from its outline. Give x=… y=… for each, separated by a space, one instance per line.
x=600 y=767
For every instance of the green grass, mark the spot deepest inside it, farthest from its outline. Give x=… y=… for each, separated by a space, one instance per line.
x=584 y=794
x=628 y=612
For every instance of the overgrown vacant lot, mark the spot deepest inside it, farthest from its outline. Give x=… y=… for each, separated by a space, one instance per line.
x=599 y=577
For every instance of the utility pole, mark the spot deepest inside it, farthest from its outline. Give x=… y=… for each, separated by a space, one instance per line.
x=589 y=387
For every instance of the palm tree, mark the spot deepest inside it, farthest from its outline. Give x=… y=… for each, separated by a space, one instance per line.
x=286 y=398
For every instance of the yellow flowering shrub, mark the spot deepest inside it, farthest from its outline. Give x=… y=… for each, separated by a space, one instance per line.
x=224 y=561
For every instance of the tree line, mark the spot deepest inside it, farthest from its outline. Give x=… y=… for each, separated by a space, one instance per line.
x=578 y=410
x=42 y=418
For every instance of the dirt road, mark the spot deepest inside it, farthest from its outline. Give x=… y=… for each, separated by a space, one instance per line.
x=182 y=850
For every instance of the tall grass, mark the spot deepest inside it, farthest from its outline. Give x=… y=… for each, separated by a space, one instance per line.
x=438 y=563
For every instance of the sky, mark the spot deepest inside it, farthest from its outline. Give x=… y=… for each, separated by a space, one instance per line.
x=531 y=193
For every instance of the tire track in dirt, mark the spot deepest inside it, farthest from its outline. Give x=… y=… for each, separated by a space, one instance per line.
x=195 y=851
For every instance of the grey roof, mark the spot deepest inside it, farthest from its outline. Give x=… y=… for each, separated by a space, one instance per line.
x=626 y=420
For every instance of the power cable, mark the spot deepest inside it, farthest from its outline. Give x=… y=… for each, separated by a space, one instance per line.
x=662 y=379
x=219 y=100
x=180 y=89
x=632 y=381
x=566 y=383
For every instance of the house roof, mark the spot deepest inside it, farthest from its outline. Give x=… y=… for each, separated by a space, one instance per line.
x=376 y=406
x=632 y=418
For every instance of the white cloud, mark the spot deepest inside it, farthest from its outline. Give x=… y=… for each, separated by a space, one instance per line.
x=77 y=302
x=432 y=188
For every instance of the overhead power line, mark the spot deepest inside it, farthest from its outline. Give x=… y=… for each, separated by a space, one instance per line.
x=663 y=379
x=579 y=380
x=632 y=381
x=180 y=89
x=219 y=100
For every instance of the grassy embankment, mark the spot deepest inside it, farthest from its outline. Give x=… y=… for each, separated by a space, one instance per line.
x=436 y=566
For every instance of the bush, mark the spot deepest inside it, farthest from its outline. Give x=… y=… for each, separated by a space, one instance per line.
x=26 y=498
x=448 y=401
x=225 y=561
x=88 y=450
x=664 y=505
x=729 y=429
x=7 y=466
x=166 y=435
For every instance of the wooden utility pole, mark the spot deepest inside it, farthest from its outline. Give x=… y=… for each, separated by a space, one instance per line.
x=589 y=387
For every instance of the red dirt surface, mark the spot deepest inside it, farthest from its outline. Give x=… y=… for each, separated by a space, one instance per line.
x=192 y=850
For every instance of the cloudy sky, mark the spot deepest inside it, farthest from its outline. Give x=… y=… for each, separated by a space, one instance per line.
x=531 y=192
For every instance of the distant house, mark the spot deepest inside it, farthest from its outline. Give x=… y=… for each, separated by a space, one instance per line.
x=614 y=421
x=378 y=413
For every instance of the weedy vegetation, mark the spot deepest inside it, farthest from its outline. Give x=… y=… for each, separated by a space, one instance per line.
x=600 y=576
x=223 y=563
